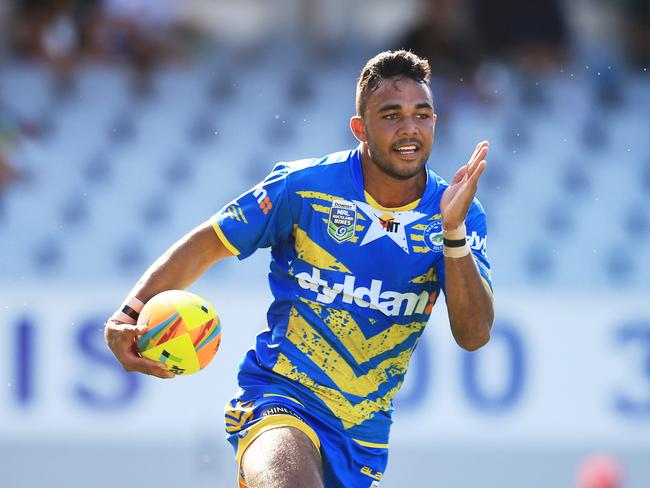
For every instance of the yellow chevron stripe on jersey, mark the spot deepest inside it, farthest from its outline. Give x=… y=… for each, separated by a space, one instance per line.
x=241 y=213
x=324 y=196
x=320 y=208
x=353 y=339
x=237 y=414
x=283 y=396
x=349 y=414
x=429 y=276
x=319 y=351
x=312 y=253
x=232 y=213
x=318 y=195
x=371 y=444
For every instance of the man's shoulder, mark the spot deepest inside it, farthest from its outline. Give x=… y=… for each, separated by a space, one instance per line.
x=314 y=167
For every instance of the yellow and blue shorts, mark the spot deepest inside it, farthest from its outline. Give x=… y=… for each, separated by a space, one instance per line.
x=347 y=462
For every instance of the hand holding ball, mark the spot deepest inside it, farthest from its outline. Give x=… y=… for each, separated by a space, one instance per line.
x=183 y=331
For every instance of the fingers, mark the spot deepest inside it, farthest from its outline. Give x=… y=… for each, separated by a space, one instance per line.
x=122 y=339
x=479 y=155
x=458 y=197
x=472 y=170
x=480 y=167
x=133 y=362
x=126 y=329
x=460 y=174
x=147 y=366
x=478 y=171
x=477 y=149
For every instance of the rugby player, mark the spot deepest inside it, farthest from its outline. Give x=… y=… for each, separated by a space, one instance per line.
x=362 y=244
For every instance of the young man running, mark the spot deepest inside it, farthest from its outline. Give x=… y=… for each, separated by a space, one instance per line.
x=362 y=243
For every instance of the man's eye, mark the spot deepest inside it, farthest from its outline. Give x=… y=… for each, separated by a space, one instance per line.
x=424 y=116
x=390 y=116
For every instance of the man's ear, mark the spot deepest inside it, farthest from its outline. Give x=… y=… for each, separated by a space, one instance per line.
x=358 y=128
x=435 y=118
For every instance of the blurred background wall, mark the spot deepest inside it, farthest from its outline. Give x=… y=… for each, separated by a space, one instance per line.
x=125 y=123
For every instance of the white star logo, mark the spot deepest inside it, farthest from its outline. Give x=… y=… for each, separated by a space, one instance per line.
x=386 y=223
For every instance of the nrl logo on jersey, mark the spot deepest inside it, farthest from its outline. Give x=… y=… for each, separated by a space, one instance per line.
x=342 y=221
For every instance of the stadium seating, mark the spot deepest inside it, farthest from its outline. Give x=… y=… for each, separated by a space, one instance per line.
x=115 y=178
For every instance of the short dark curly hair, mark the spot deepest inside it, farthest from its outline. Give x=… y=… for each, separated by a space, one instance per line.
x=389 y=64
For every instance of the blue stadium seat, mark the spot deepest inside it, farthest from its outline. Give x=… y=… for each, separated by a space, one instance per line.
x=155 y=211
x=97 y=170
x=576 y=179
x=74 y=210
x=47 y=256
x=636 y=221
x=644 y=178
x=619 y=266
x=130 y=257
x=539 y=263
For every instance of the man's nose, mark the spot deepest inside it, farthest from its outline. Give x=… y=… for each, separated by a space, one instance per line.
x=408 y=127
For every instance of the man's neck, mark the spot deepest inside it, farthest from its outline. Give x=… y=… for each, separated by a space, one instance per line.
x=388 y=191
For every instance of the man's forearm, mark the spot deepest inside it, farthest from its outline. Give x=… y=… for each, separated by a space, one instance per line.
x=469 y=302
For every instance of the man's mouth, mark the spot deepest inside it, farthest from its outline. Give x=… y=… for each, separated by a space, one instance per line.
x=407 y=150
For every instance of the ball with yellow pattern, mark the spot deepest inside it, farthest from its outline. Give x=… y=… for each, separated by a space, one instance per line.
x=183 y=331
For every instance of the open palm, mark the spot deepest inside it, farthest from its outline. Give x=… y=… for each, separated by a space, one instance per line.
x=458 y=197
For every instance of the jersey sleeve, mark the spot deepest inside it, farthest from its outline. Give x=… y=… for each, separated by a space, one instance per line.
x=476 y=225
x=260 y=217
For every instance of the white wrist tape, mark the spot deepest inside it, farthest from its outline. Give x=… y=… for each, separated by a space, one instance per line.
x=459 y=232
x=455 y=242
x=128 y=311
x=456 y=252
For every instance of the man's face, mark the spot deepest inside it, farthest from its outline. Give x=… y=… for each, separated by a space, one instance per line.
x=399 y=123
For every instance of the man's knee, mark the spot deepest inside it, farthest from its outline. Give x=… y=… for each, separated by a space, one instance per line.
x=282 y=458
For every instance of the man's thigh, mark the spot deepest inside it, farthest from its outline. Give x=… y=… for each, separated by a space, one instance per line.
x=283 y=457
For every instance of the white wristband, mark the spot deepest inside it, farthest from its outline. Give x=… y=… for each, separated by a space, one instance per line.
x=128 y=311
x=459 y=232
x=456 y=252
x=458 y=235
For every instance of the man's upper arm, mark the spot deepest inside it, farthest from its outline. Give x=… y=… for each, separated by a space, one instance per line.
x=260 y=217
x=210 y=244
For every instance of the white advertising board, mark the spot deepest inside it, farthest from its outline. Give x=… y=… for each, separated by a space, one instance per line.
x=559 y=368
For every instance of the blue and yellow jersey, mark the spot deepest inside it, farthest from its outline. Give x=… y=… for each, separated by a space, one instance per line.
x=353 y=285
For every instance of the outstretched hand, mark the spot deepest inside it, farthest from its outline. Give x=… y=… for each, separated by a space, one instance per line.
x=458 y=197
x=122 y=339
